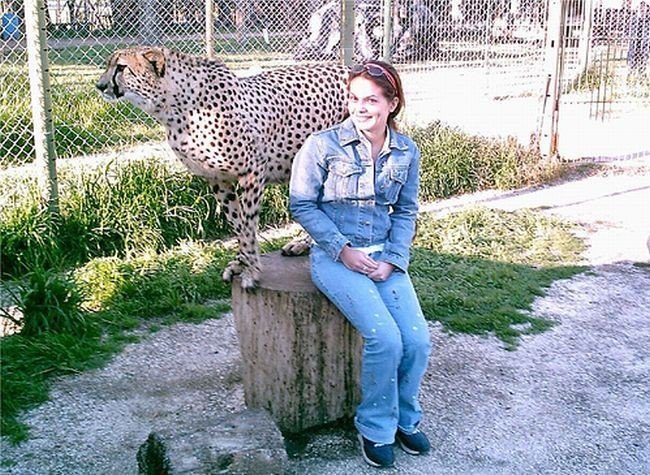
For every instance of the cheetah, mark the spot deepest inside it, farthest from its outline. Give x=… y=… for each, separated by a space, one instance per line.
x=238 y=133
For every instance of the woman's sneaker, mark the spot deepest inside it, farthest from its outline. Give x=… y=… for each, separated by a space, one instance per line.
x=377 y=455
x=415 y=443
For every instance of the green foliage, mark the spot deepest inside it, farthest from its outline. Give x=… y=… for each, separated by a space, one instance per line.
x=476 y=270
x=454 y=162
x=50 y=302
x=115 y=210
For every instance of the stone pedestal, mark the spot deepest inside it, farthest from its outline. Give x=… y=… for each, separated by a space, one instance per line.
x=301 y=358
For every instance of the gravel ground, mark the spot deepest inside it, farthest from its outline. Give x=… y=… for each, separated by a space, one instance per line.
x=573 y=400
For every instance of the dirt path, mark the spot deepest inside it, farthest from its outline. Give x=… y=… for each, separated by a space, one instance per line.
x=573 y=400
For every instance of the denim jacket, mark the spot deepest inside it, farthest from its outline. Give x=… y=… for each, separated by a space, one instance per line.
x=340 y=196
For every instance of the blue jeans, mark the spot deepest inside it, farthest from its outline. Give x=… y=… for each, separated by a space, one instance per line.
x=396 y=343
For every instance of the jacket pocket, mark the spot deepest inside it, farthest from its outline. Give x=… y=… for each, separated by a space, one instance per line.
x=343 y=180
x=391 y=181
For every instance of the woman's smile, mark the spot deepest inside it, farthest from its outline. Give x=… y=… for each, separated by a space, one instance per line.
x=369 y=107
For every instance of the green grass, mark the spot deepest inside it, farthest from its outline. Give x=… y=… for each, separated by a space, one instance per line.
x=83 y=122
x=477 y=270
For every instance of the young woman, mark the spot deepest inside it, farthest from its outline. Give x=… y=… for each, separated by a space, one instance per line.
x=354 y=189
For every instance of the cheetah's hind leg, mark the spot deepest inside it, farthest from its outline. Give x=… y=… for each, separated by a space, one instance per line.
x=298 y=246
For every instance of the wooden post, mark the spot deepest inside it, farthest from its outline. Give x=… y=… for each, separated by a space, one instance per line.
x=301 y=358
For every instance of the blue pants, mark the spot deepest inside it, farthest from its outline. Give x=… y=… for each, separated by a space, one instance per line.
x=396 y=343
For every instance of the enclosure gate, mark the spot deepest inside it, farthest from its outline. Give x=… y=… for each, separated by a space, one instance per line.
x=604 y=80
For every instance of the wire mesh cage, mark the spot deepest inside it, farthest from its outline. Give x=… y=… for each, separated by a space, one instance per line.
x=465 y=62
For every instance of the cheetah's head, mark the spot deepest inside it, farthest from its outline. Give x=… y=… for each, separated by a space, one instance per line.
x=134 y=74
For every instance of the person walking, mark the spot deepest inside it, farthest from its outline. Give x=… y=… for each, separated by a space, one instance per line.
x=354 y=189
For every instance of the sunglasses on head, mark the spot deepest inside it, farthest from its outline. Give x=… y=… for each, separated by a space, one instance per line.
x=375 y=70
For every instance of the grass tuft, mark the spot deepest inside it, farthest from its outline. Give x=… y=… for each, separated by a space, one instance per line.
x=50 y=303
x=454 y=162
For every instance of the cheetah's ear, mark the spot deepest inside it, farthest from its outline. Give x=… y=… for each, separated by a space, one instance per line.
x=157 y=59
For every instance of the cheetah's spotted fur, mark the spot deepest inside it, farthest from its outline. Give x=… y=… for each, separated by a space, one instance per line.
x=237 y=133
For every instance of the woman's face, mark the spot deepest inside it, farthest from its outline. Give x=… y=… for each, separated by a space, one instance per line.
x=369 y=108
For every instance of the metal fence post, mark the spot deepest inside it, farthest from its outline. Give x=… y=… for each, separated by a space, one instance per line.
x=347 y=31
x=39 y=84
x=209 y=28
x=552 y=72
x=584 y=47
x=388 y=29
x=151 y=24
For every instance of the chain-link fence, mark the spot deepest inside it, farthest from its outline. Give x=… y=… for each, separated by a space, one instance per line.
x=478 y=64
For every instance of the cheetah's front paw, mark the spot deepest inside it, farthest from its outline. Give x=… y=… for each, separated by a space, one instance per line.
x=249 y=276
x=249 y=279
x=233 y=268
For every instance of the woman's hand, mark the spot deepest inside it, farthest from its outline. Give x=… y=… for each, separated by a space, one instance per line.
x=358 y=261
x=382 y=272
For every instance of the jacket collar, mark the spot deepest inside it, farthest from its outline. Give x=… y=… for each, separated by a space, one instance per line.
x=348 y=134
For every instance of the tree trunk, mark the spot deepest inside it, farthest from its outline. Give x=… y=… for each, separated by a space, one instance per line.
x=301 y=357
